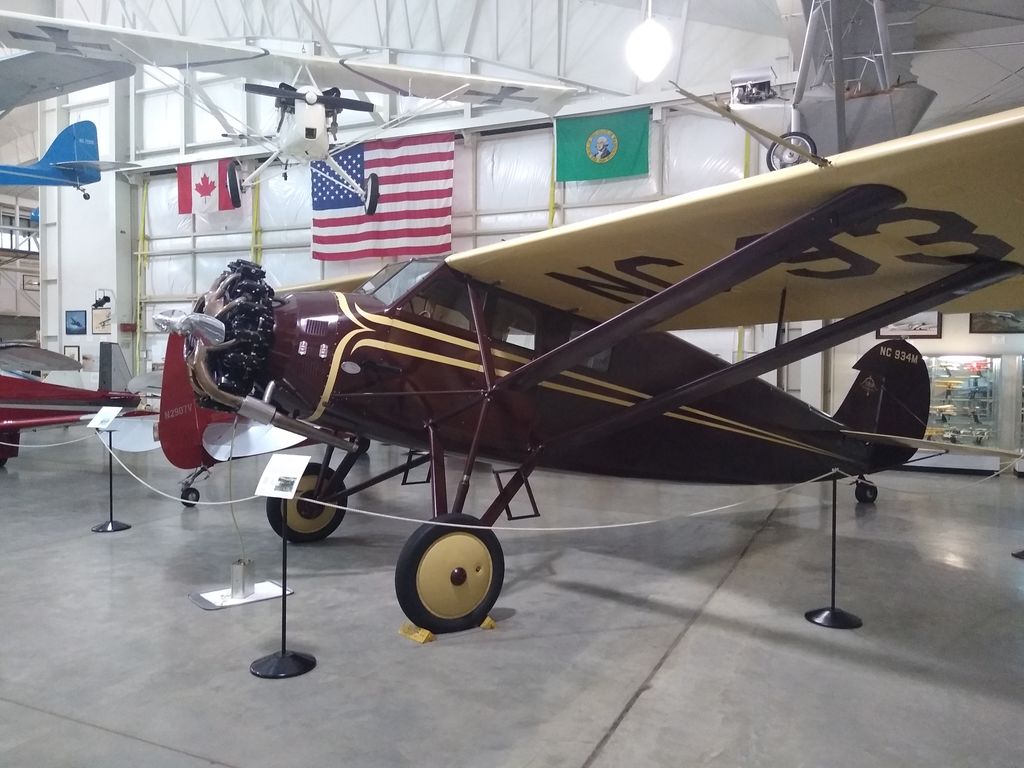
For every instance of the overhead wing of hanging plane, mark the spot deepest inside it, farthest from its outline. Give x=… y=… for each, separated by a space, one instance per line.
x=115 y=44
x=35 y=76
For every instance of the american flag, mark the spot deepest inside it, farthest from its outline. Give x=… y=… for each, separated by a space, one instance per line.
x=414 y=215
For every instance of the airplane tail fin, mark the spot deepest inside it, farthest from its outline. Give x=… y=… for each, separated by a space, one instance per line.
x=114 y=371
x=182 y=421
x=890 y=396
x=75 y=144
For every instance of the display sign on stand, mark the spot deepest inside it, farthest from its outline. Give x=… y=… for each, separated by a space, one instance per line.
x=280 y=479
x=102 y=422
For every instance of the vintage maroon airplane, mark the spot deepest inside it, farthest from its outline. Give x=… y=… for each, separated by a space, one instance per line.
x=546 y=351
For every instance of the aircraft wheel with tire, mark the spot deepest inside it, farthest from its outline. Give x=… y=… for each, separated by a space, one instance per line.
x=189 y=497
x=447 y=579
x=234 y=186
x=866 y=493
x=85 y=196
x=782 y=157
x=3 y=462
x=307 y=520
x=372 y=190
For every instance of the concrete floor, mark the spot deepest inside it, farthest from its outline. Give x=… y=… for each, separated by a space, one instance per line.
x=676 y=644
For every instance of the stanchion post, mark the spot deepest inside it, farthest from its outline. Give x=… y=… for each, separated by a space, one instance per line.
x=283 y=663
x=112 y=525
x=833 y=617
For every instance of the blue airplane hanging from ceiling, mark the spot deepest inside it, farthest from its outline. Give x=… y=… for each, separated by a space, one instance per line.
x=72 y=160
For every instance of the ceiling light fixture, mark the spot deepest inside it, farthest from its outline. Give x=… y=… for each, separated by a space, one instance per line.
x=648 y=48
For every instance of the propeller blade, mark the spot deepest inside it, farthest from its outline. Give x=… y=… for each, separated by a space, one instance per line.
x=329 y=98
x=340 y=103
x=287 y=94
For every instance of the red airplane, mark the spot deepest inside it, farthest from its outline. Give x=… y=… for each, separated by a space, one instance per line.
x=27 y=402
x=545 y=351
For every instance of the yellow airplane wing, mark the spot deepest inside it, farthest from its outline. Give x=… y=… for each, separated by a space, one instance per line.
x=343 y=284
x=964 y=198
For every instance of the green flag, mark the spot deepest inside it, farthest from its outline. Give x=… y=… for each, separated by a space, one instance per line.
x=601 y=146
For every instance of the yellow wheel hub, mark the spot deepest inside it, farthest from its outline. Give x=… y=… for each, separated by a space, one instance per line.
x=296 y=521
x=454 y=575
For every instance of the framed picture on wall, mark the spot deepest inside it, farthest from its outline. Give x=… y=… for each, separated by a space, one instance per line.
x=997 y=322
x=74 y=322
x=923 y=325
x=101 y=320
x=74 y=352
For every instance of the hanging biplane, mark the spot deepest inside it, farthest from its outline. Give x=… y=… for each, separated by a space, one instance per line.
x=545 y=351
x=307 y=121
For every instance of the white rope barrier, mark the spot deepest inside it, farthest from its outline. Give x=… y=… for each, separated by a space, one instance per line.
x=557 y=529
x=962 y=489
x=46 y=445
x=161 y=493
x=565 y=529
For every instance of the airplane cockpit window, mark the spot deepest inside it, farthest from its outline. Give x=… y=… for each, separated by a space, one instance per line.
x=396 y=280
x=514 y=323
x=445 y=300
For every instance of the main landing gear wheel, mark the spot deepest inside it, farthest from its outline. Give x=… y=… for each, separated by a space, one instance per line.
x=865 y=492
x=372 y=189
x=189 y=497
x=3 y=462
x=448 y=579
x=307 y=520
x=782 y=157
x=234 y=186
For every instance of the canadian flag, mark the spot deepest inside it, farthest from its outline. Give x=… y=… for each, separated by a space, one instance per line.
x=203 y=187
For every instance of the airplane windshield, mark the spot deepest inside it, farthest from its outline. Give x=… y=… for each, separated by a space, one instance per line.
x=396 y=280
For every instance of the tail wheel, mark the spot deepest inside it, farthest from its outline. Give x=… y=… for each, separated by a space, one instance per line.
x=307 y=520
x=865 y=492
x=780 y=156
x=448 y=579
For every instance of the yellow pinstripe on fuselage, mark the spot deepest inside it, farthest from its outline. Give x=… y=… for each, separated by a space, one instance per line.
x=613 y=394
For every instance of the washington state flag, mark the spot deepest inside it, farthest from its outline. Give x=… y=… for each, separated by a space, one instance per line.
x=602 y=146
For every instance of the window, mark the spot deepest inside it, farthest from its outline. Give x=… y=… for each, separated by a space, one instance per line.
x=444 y=300
x=395 y=280
x=514 y=323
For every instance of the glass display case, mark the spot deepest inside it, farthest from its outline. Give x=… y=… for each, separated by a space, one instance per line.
x=965 y=393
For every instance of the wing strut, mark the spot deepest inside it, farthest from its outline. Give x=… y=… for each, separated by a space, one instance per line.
x=972 y=278
x=839 y=214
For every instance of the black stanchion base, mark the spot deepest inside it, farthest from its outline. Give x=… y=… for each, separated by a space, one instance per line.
x=111 y=526
x=833 y=618
x=283 y=664
x=1019 y=554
